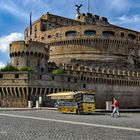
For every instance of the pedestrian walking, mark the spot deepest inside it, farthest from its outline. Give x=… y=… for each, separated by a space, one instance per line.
x=116 y=108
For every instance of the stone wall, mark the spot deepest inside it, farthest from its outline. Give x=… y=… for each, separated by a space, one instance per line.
x=106 y=83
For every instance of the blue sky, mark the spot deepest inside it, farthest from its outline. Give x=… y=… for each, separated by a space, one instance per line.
x=14 y=16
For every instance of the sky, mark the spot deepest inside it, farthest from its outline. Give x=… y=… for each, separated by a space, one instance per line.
x=15 y=16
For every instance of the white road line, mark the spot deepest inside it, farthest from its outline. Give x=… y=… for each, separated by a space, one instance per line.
x=71 y=122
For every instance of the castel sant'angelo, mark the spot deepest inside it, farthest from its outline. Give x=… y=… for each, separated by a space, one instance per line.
x=91 y=54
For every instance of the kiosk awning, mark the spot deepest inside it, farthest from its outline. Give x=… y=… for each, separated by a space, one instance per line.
x=62 y=95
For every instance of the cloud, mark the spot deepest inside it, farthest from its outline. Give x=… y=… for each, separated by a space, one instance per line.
x=6 y=40
x=14 y=9
x=2 y=64
x=21 y=9
x=118 y=5
x=127 y=19
x=112 y=7
x=131 y=19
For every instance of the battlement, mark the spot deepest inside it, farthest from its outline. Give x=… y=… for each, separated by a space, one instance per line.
x=102 y=72
x=91 y=18
x=31 y=46
x=32 y=54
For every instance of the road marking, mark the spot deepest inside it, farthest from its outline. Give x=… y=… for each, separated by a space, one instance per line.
x=71 y=122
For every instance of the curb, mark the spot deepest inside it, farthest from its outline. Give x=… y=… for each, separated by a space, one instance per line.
x=55 y=109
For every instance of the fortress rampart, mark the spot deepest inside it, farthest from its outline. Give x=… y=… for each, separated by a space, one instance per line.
x=107 y=83
x=94 y=54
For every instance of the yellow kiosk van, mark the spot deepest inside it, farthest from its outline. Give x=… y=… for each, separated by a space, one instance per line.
x=79 y=102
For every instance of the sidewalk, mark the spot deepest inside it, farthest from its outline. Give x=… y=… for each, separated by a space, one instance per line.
x=120 y=110
x=55 y=109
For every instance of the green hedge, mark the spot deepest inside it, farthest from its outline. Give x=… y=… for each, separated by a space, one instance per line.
x=9 y=68
x=58 y=71
x=25 y=69
x=12 y=68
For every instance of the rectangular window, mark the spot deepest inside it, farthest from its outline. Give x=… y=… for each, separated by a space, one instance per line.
x=68 y=79
x=43 y=26
x=84 y=85
x=16 y=75
x=52 y=77
x=1 y=76
x=122 y=34
x=40 y=76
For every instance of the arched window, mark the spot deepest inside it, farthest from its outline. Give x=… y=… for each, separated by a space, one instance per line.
x=131 y=36
x=70 y=33
x=108 y=33
x=90 y=33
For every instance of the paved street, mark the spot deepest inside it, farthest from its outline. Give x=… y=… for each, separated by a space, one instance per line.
x=52 y=125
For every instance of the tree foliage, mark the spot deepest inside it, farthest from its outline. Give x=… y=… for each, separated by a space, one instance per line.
x=9 y=67
x=25 y=69
x=58 y=71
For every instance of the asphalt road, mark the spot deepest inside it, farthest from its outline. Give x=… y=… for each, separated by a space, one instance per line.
x=52 y=125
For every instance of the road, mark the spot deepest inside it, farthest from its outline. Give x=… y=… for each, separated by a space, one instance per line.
x=52 y=125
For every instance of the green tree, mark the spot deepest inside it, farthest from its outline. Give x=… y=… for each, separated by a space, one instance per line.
x=9 y=67
x=25 y=69
x=58 y=71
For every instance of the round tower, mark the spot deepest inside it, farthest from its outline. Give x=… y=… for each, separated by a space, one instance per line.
x=31 y=54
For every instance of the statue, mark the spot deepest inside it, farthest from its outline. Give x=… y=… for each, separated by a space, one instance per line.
x=78 y=8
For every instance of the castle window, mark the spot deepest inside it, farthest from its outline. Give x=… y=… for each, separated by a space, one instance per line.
x=16 y=75
x=131 y=36
x=49 y=36
x=51 y=90
x=84 y=85
x=43 y=26
x=90 y=32
x=42 y=69
x=17 y=63
x=122 y=34
x=68 y=79
x=70 y=33
x=40 y=76
x=108 y=33
x=52 y=77
x=57 y=35
x=1 y=76
x=38 y=63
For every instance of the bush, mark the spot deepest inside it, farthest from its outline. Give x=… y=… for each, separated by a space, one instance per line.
x=25 y=69
x=58 y=71
x=9 y=68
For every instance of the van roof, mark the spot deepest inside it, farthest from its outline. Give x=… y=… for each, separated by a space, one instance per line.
x=68 y=94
